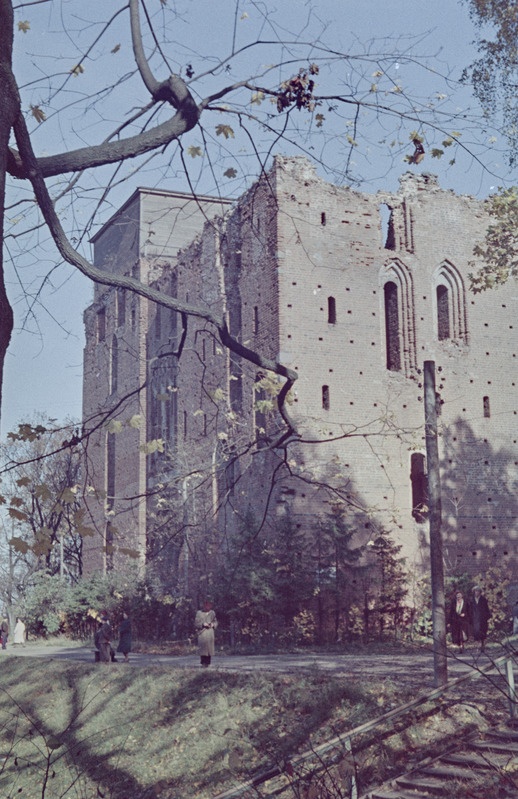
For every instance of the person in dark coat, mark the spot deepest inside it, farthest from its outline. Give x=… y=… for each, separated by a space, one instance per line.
x=125 y=637
x=480 y=615
x=4 y=632
x=103 y=639
x=460 y=619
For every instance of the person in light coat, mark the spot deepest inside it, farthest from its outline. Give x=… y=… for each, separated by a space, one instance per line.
x=205 y=623
x=19 y=632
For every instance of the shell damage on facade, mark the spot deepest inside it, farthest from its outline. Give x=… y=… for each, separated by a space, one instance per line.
x=354 y=292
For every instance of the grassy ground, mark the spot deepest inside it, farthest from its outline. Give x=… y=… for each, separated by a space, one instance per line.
x=86 y=730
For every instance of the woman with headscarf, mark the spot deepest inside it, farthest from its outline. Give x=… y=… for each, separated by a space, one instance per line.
x=205 y=623
x=459 y=620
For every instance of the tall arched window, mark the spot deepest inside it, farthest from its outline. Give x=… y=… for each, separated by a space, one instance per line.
x=443 y=314
x=392 y=331
x=450 y=299
x=398 y=310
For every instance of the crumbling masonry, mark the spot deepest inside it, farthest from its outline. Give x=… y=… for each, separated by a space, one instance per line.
x=354 y=292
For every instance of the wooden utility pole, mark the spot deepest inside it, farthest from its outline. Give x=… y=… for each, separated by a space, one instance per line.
x=434 y=515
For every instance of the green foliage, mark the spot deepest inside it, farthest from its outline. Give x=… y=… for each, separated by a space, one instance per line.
x=265 y=584
x=392 y=587
x=495 y=74
x=52 y=606
x=499 y=251
x=494 y=583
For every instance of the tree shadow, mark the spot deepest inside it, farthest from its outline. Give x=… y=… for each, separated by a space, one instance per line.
x=479 y=488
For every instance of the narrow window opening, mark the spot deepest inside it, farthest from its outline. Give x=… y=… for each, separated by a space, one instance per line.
x=443 y=313
x=101 y=325
x=256 y=319
x=323 y=220
x=392 y=327
x=418 y=482
x=331 y=310
x=114 y=365
x=487 y=409
x=121 y=307
x=388 y=239
x=325 y=398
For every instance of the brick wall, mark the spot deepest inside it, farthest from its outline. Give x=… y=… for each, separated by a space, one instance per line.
x=301 y=268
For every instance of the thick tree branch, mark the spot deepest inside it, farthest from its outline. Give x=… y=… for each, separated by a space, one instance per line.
x=173 y=91
x=31 y=167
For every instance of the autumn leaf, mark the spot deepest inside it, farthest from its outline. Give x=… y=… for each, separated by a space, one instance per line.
x=194 y=152
x=135 y=421
x=68 y=496
x=19 y=545
x=320 y=120
x=23 y=481
x=436 y=152
x=224 y=130
x=77 y=70
x=116 y=48
x=17 y=514
x=230 y=173
x=38 y=113
x=24 y=26
x=114 y=426
x=257 y=98
x=156 y=445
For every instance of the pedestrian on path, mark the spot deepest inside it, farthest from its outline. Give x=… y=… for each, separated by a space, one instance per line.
x=480 y=615
x=4 y=632
x=459 y=620
x=19 y=632
x=102 y=640
x=205 y=623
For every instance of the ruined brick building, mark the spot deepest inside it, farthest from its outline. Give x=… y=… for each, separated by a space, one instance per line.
x=354 y=292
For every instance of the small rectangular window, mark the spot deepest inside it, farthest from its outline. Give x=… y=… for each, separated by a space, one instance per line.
x=487 y=409
x=325 y=398
x=331 y=310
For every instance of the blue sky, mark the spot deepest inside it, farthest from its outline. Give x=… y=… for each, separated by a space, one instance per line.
x=44 y=364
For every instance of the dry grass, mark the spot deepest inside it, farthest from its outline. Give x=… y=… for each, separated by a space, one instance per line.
x=83 y=730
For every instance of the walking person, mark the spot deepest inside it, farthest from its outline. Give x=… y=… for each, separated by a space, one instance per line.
x=480 y=615
x=103 y=639
x=19 y=632
x=459 y=620
x=205 y=623
x=124 y=645
x=4 y=632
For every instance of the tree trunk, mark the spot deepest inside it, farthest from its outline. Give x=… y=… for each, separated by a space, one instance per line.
x=10 y=107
